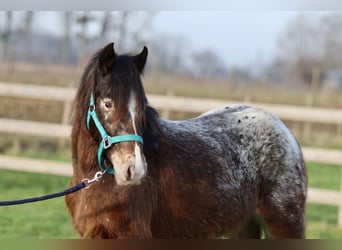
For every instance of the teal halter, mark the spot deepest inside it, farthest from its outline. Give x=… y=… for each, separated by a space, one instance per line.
x=107 y=141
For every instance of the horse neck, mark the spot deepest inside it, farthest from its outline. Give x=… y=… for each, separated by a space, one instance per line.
x=158 y=144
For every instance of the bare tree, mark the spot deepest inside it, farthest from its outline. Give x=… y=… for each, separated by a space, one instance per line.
x=310 y=43
x=66 y=38
x=208 y=64
x=122 y=28
x=170 y=55
x=6 y=35
x=84 y=21
x=105 y=26
x=332 y=33
x=27 y=30
x=128 y=28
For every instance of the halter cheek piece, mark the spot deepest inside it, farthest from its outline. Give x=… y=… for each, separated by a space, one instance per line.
x=107 y=141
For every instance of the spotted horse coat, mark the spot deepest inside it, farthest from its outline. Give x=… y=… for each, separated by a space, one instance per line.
x=236 y=171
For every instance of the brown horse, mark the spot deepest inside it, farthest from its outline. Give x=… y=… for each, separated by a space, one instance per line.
x=225 y=173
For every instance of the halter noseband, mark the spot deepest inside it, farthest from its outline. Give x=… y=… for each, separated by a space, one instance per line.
x=107 y=141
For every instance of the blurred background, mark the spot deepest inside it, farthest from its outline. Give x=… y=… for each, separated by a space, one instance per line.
x=289 y=63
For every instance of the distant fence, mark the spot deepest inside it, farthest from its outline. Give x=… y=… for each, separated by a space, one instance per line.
x=182 y=104
x=164 y=103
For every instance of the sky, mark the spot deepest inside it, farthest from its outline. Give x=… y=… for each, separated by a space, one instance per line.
x=241 y=38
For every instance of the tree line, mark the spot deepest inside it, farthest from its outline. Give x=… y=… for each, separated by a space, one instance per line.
x=129 y=29
x=309 y=42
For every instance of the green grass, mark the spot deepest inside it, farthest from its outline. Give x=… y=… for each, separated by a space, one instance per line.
x=324 y=176
x=321 y=222
x=322 y=219
x=50 y=219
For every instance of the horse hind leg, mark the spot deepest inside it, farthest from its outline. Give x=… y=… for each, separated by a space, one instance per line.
x=284 y=213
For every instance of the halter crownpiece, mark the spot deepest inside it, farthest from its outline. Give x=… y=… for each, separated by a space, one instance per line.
x=107 y=141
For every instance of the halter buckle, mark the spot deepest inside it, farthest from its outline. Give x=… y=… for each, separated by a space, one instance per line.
x=106 y=142
x=91 y=107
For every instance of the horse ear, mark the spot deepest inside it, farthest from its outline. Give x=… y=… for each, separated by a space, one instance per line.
x=107 y=58
x=140 y=59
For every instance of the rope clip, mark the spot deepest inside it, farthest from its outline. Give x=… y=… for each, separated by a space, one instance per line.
x=97 y=176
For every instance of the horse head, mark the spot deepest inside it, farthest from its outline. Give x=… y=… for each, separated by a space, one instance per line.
x=116 y=114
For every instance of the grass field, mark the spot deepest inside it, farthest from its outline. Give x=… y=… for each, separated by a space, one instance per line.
x=50 y=219
x=322 y=219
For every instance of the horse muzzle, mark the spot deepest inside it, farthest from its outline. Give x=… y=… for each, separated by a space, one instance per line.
x=129 y=171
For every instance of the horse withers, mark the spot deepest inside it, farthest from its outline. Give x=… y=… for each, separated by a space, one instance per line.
x=232 y=172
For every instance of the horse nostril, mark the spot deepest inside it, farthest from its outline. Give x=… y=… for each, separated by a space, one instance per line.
x=129 y=158
x=130 y=173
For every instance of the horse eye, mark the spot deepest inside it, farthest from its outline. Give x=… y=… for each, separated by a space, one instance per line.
x=108 y=104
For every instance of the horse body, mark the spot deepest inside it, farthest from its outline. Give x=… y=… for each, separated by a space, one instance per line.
x=207 y=177
x=245 y=155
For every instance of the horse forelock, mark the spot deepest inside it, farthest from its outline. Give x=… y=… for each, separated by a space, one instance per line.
x=118 y=85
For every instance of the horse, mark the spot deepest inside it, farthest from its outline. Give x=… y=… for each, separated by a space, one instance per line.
x=233 y=172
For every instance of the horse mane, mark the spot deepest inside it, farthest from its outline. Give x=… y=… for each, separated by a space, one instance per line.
x=152 y=132
x=84 y=90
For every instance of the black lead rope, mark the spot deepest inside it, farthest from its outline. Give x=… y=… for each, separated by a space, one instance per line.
x=86 y=183
x=45 y=197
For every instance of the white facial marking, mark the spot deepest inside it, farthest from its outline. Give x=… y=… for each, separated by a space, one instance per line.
x=139 y=164
x=131 y=109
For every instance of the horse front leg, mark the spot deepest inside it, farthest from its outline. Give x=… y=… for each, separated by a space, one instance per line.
x=136 y=230
x=123 y=231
